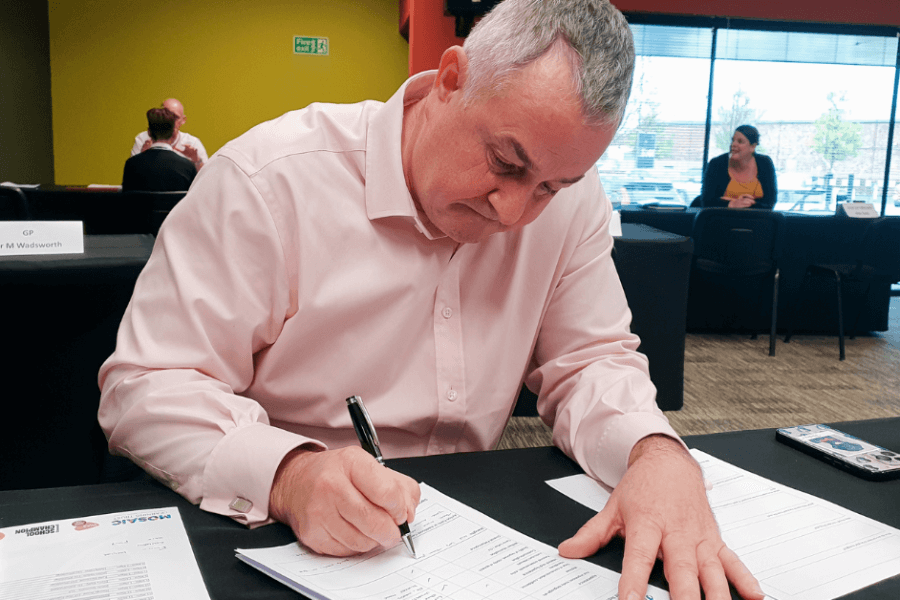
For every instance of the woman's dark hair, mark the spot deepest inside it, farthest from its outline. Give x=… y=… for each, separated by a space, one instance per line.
x=750 y=132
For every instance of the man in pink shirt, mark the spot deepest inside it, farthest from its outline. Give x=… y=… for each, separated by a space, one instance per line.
x=409 y=252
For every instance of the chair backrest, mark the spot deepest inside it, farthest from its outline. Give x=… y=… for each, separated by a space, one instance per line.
x=736 y=241
x=160 y=204
x=880 y=249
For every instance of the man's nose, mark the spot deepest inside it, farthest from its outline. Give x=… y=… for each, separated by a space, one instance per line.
x=510 y=202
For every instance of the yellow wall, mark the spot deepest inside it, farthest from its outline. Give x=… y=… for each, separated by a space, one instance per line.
x=230 y=62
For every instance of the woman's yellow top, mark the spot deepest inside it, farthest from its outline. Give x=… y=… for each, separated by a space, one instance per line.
x=736 y=188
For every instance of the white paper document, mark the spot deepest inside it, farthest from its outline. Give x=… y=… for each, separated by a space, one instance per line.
x=798 y=546
x=462 y=555
x=135 y=555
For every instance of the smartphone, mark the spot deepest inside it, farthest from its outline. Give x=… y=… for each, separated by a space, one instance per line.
x=842 y=450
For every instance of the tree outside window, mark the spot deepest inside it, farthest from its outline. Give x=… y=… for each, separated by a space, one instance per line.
x=836 y=139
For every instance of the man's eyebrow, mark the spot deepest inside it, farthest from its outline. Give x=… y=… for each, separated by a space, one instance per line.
x=571 y=179
x=520 y=152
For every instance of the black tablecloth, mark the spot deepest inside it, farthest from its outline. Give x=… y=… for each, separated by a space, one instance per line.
x=102 y=211
x=809 y=239
x=60 y=317
x=654 y=267
x=506 y=485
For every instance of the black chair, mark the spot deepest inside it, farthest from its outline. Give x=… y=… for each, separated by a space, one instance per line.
x=13 y=204
x=877 y=260
x=739 y=249
x=158 y=203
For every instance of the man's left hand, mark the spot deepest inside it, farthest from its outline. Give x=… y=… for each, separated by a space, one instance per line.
x=660 y=508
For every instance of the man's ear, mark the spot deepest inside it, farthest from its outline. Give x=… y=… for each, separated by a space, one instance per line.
x=451 y=75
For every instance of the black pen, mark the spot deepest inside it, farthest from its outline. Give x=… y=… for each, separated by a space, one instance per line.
x=368 y=439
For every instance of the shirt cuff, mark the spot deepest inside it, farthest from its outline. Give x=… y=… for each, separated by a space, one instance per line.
x=609 y=460
x=240 y=471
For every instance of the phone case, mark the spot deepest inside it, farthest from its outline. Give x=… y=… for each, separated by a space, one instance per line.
x=842 y=450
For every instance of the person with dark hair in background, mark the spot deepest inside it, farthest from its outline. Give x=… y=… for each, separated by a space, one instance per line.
x=428 y=253
x=159 y=168
x=185 y=144
x=740 y=178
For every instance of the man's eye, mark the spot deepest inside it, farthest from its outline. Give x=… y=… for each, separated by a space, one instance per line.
x=548 y=190
x=504 y=166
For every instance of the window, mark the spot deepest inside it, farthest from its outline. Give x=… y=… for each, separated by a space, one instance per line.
x=822 y=104
x=657 y=154
x=821 y=101
x=892 y=203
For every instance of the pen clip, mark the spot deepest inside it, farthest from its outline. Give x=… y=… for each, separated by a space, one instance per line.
x=365 y=431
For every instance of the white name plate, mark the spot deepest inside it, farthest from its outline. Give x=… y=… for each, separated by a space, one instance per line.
x=22 y=238
x=859 y=210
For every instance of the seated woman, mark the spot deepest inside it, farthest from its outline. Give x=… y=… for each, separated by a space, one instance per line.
x=741 y=178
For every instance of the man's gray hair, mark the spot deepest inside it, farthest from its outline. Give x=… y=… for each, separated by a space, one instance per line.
x=518 y=32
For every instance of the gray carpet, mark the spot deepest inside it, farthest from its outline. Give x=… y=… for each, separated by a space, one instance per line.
x=731 y=383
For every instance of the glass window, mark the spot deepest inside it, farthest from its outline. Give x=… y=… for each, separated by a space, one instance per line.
x=892 y=206
x=821 y=103
x=657 y=154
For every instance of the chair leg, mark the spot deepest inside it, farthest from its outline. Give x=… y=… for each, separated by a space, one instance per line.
x=859 y=311
x=774 y=312
x=792 y=315
x=840 y=307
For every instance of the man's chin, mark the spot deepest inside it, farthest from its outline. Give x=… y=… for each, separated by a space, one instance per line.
x=471 y=236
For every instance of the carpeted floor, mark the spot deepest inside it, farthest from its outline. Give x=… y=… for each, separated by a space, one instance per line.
x=731 y=383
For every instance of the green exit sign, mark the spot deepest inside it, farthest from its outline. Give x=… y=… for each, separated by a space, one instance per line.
x=311 y=45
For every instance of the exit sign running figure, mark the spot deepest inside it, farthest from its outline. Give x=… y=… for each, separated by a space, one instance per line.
x=311 y=45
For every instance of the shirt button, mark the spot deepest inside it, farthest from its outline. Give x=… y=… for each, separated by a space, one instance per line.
x=447 y=312
x=451 y=395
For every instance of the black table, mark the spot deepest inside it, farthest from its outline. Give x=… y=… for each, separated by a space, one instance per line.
x=507 y=485
x=654 y=267
x=61 y=313
x=809 y=239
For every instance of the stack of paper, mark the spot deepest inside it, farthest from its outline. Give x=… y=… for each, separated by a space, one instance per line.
x=139 y=555
x=462 y=554
x=798 y=546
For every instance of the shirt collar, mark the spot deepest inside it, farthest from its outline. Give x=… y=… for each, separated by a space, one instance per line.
x=162 y=145
x=386 y=192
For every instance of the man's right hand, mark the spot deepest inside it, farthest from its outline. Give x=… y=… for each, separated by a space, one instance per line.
x=342 y=502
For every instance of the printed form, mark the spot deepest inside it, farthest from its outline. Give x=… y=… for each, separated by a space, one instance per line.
x=798 y=546
x=135 y=555
x=462 y=555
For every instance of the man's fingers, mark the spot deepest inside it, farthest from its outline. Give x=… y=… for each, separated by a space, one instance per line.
x=592 y=536
x=338 y=538
x=396 y=494
x=739 y=575
x=641 y=549
x=712 y=574
x=326 y=498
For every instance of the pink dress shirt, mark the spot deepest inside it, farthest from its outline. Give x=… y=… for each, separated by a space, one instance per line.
x=296 y=272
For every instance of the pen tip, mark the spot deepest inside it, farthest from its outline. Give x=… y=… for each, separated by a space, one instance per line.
x=407 y=539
